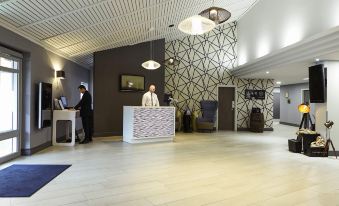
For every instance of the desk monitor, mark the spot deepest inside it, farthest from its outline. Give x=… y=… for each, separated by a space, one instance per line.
x=64 y=101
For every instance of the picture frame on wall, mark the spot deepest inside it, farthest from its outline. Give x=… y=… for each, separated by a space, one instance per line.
x=256 y=94
x=132 y=83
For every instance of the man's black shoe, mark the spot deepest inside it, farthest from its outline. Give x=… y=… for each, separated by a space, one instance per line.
x=85 y=141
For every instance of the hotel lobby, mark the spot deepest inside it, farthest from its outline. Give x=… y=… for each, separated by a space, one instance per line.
x=168 y=102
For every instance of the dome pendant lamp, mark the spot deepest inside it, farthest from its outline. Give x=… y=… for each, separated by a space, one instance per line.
x=151 y=64
x=216 y=14
x=196 y=25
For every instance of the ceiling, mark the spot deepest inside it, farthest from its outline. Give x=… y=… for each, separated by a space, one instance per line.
x=75 y=29
x=290 y=64
x=286 y=74
x=292 y=73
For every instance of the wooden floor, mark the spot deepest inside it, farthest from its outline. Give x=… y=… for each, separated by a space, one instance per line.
x=224 y=168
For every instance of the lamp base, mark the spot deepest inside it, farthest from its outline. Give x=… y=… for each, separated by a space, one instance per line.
x=304 y=121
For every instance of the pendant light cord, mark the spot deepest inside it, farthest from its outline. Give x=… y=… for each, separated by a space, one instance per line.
x=151 y=50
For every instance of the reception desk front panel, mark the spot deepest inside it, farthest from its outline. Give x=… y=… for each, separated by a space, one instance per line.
x=148 y=124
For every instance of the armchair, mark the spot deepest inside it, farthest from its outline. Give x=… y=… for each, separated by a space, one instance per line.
x=208 y=118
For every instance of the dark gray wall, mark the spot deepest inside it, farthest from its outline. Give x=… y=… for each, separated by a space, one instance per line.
x=39 y=65
x=108 y=100
x=289 y=112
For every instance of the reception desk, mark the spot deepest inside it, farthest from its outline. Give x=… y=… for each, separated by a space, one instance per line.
x=148 y=124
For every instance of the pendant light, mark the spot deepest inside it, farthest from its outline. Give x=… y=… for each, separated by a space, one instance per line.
x=151 y=64
x=196 y=25
x=216 y=14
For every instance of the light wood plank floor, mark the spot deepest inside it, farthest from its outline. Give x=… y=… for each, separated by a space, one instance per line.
x=224 y=168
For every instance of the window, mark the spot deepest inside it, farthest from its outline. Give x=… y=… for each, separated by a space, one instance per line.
x=8 y=146
x=9 y=103
x=9 y=106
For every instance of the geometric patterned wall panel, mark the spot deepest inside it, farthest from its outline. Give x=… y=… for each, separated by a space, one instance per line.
x=204 y=64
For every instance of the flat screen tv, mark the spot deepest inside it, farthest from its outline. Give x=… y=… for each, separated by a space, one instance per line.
x=317 y=83
x=132 y=83
x=44 y=104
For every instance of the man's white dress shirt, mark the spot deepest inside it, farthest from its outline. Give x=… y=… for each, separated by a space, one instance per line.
x=150 y=100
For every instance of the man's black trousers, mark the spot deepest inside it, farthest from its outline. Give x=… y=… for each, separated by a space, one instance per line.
x=87 y=124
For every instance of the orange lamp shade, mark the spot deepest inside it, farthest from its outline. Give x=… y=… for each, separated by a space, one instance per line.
x=304 y=108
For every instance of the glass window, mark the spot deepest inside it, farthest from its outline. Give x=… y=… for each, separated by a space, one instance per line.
x=8 y=146
x=9 y=106
x=9 y=103
x=4 y=62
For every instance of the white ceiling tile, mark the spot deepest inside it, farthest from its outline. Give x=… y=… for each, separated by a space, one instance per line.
x=78 y=28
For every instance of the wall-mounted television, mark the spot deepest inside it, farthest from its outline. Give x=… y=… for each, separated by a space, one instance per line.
x=132 y=83
x=44 y=105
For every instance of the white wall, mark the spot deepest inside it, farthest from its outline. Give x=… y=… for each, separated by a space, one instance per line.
x=332 y=99
x=289 y=111
x=331 y=105
x=273 y=24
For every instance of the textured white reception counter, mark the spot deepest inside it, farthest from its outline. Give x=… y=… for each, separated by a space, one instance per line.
x=148 y=124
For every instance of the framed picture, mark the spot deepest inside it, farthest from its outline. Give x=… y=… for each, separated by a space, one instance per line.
x=132 y=83
x=256 y=94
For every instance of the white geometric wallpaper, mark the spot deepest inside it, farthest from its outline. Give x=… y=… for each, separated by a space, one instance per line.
x=204 y=63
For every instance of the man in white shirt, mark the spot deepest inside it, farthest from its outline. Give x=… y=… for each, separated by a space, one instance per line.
x=150 y=99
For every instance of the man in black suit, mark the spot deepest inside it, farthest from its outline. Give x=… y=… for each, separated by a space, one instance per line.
x=86 y=113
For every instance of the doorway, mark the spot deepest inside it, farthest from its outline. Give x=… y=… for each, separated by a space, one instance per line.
x=10 y=70
x=227 y=108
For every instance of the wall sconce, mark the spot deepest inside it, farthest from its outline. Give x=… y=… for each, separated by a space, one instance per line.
x=60 y=74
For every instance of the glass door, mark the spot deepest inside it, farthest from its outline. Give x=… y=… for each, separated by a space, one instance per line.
x=9 y=107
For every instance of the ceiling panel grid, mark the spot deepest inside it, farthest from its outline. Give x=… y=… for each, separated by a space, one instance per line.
x=78 y=28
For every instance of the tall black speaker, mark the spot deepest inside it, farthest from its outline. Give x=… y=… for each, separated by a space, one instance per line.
x=317 y=83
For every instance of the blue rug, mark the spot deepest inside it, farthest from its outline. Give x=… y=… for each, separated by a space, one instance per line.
x=25 y=180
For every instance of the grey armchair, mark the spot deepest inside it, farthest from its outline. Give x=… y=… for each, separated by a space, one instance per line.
x=208 y=118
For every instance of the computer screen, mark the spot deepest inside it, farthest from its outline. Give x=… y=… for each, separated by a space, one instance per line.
x=64 y=101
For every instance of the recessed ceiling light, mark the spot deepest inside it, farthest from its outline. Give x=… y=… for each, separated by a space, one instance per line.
x=306 y=79
x=317 y=60
x=267 y=72
x=278 y=82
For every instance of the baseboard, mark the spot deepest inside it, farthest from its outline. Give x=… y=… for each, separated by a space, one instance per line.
x=331 y=153
x=107 y=134
x=28 y=152
x=248 y=129
x=289 y=124
x=31 y=151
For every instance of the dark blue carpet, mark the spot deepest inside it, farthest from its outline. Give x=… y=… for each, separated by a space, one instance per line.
x=25 y=180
